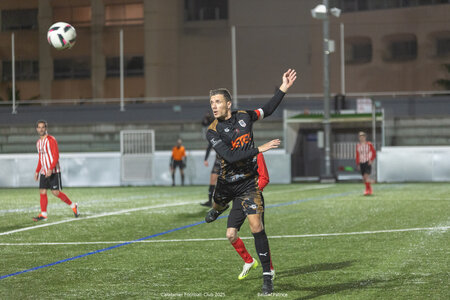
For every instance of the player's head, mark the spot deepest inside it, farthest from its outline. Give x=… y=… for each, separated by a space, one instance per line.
x=362 y=136
x=41 y=127
x=220 y=100
x=179 y=142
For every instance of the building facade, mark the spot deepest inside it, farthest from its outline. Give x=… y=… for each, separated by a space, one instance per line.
x=183 y=47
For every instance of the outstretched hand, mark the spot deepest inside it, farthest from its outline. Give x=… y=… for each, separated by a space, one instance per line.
x=269 y=145
x=288 y=80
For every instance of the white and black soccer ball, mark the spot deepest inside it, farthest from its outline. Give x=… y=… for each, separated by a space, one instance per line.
x=61 y=35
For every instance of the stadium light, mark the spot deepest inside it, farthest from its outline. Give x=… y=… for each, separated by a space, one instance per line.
x=322 y=12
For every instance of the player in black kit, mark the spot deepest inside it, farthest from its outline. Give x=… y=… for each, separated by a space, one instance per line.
x=231 y=136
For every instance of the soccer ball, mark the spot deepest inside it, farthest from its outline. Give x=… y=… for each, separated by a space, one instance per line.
x=61 y=35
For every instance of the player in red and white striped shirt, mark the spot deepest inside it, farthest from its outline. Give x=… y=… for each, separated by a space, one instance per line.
x=48 y=172
x=365 y=155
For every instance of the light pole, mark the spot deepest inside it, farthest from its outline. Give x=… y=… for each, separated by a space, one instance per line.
x=322 y=12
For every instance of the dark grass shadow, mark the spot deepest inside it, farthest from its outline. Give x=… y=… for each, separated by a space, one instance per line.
x=314 y=268
x=311 y=269
x=323 y=290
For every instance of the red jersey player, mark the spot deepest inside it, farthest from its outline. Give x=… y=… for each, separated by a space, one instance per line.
x=365 y=155
x=48 y=172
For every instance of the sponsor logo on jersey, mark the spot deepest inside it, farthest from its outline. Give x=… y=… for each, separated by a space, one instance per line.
x=227 y=129
x=242 y=123
x=214 y=142
x=236 y=177
x=240 y=141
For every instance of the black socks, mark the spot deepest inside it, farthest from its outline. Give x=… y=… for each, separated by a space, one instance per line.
x=262 y=248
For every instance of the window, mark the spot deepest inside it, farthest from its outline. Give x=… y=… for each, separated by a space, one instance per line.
x=358 y=50
x=124 y=14
x=200 y=10
x=77 y=15
x=133 y=66
x=19 y=19
x=443 y=47
x=401 y=47
x=361 y=5
x=24 y=70
x=71 y=68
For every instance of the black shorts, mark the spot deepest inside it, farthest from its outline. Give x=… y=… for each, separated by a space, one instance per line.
x=245 y=195
x=51 y=183
x=237 y=215
x=365 y=168
x=216 y=167
x=177 y=163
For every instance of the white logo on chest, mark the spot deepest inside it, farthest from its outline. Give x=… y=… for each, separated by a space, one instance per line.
x=242 y=123
x=226 y=129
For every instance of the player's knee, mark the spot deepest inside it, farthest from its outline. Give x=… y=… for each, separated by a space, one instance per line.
x=231 y=236
x=255 y=228
x=55 y=193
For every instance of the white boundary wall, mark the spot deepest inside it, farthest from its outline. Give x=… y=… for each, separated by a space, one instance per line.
x=103 y=169
x=402 y=164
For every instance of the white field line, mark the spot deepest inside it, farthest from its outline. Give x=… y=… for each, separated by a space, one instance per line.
x=441 y=228
x=99 y=216
x=139 y=209
x=159 y=196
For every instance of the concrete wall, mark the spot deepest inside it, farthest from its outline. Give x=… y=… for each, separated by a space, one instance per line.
x=103 y=169
x=403 y=164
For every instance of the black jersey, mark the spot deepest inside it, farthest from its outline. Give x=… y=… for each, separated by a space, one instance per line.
x=235 y=134
x=232 y=140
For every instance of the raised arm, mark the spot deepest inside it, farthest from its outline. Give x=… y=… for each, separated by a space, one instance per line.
x=287 y=81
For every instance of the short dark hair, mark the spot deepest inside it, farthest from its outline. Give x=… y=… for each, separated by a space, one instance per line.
x=41 y=121
x=222 y=91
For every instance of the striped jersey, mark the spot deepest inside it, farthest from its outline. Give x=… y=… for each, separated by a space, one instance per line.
x=48 y=155
x=365 y=152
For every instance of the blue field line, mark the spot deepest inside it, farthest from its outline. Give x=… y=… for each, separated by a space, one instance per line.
x=102 y=250
x=169 y=231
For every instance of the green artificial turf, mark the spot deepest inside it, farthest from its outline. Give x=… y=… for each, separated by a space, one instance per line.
x=327 y=242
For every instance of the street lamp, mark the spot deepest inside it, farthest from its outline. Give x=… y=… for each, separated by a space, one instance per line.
x=322 y=12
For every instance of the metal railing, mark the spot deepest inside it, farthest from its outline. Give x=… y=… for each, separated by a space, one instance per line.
x=306 y=96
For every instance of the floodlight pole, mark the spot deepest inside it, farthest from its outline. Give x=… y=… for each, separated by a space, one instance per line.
x=342 y=59
x=13 y=73
x=122 y=104
x=326 y=91
x=233 y=66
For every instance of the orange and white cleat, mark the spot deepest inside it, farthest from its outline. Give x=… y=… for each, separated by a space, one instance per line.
x=40 y=217
x=75 y=210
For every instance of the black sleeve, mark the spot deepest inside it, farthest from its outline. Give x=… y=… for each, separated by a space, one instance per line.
x=207 y=151
x=270 y=106
x=224 y=150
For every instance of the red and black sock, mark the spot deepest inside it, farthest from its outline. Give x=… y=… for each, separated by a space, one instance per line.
x=262 y=248
x=242 y=251
x=367 y=186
